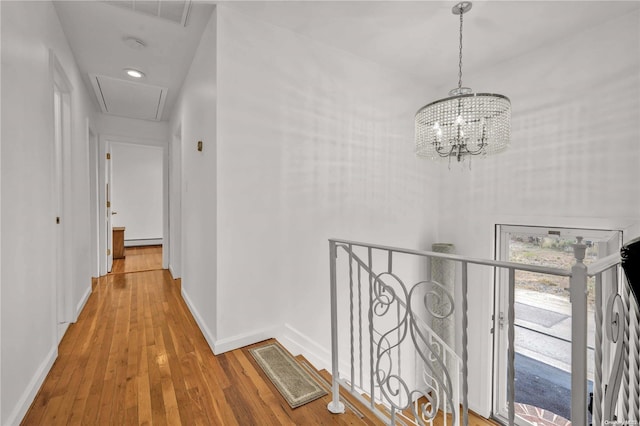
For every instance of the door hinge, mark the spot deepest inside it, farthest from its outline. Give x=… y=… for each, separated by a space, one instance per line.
x=501 y=320
x=108 y=156
x=108 y=252
x=57 y=220
x=108 y=204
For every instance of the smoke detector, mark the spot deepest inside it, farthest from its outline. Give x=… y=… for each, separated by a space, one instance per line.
x=134 y=43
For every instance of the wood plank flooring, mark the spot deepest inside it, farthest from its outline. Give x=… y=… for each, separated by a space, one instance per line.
x=136 y=357
x=138 y=259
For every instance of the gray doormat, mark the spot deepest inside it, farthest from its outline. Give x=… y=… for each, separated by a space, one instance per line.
x=295 y=384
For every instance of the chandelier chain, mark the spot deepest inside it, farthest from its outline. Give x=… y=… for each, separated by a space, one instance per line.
x=460 y=54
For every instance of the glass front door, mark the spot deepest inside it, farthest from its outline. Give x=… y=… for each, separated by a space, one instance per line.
x=542 y=319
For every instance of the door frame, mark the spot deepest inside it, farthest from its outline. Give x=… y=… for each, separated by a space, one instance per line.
x=61 y=89
x=104 y=241
x=94 y=205
x=175 y=204
x=502 y=232
x=104 y=143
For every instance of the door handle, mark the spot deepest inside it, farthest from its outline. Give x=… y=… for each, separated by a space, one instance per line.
x=114 y=213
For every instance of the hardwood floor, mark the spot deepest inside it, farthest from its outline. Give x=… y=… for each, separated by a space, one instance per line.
x=138 y=259
x=136 y=356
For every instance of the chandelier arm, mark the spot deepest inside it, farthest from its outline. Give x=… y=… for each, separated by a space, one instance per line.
x=458 y=150
x=444 y=153
x=480 y=149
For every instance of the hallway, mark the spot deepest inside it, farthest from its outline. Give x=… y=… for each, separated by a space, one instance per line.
x=136 y=356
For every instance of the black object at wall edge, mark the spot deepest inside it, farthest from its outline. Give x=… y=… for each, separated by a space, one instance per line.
x=630 y=255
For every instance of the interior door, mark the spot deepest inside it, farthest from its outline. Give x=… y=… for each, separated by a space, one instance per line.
x=109 y=211
x=58 y=205
x=542 y=317
x=62 y=124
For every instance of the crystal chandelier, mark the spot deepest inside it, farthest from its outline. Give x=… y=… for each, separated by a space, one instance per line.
x=465 y=123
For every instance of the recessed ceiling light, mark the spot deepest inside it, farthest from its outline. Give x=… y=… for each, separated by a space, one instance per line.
x=134 y=73
x=134 y=43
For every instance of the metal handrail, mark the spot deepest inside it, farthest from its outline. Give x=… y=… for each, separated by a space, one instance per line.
x=603 y=264
x=459 y=258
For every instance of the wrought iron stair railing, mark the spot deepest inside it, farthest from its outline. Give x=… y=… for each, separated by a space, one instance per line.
x=386 y=341
x=397 y=361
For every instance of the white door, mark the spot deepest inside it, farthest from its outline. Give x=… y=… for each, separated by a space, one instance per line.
x=61 y=180
x=58 y=206
x=542 y=317
x=109 y=211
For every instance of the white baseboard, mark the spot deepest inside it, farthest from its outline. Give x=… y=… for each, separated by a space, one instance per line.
x=83 y=301
x=203 y=327
x=25 y=401
x=173 y=273
x=298 y=343
x=230 y=343
x=241 y=340
x=292 y=339
x=143 y=242
x=318 y=355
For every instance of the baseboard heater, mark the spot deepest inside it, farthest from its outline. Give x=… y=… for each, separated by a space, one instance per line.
x=143 y=242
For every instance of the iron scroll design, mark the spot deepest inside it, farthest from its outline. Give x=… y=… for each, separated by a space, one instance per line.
x=392 y=301
x=615 y=327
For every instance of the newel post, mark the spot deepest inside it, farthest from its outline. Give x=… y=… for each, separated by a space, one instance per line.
x=578 y=294
x=335 y=406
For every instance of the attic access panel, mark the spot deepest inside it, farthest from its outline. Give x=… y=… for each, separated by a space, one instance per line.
x=129 y=99
x=172 y=10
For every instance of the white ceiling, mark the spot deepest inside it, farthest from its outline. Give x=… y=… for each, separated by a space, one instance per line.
x=419 y=38
x=96 y=30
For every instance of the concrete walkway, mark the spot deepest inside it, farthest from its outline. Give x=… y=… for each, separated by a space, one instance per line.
x=543 y=329
x=543 y=346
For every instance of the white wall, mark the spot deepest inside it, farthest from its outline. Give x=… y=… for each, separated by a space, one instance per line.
x=573 y=160
x=313 y=143
x=175 y=202
x=0 y=229
x=136 y=193
x=195 y=205
x=29 y=30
